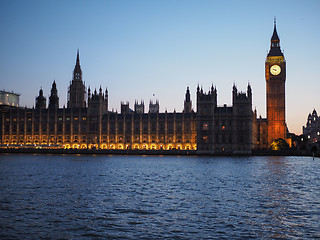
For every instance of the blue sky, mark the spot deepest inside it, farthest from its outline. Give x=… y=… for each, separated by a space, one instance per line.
x=140 y=48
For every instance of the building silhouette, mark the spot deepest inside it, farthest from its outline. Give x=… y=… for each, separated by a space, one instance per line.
x=87 y=123
x=41 y=101
x=312 y=128
x=54 y=98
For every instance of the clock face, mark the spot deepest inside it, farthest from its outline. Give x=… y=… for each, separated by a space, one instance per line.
x=275 y=69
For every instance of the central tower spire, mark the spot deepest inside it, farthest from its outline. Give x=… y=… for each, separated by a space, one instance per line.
x=77 y=89
x=77 y=73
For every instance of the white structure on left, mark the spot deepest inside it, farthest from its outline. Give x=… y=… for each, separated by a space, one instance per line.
x=9 y=98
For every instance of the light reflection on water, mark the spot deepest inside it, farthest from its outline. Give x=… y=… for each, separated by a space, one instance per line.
x=156 y=197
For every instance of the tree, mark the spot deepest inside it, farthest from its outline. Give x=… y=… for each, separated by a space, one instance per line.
x=279 y=144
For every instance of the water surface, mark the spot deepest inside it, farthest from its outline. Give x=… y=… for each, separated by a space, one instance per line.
x=158 y=197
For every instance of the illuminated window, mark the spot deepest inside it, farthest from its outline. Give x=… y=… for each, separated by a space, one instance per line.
x=205 y=126
x=205 y=139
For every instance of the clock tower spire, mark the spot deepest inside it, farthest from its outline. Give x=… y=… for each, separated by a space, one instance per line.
x=275 y=71
x=275 y=43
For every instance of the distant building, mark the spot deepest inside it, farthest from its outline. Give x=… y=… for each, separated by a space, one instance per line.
x=312 y=129
x=9 y=98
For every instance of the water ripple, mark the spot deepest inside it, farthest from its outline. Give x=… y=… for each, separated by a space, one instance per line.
x=134 y=197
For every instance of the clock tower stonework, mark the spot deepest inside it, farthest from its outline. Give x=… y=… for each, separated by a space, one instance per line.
x=275 y=70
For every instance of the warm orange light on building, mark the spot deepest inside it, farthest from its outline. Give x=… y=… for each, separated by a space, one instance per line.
x=275 y=72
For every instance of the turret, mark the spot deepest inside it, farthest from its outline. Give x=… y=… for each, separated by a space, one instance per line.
x=249 y=92
x=125 y=107
x=154 y=107
x=187 y=102
x=242 y=98
x=207 y=101
x=54 y=98
x=40 y=101
x=139 y=107
x=234 y=93
x=106 y=100
x=97 y=102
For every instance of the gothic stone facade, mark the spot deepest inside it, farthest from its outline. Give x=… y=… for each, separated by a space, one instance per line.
x=77 y=128
x=225 y=130
x=211 y=130
x=222 y=130
x=87 y=123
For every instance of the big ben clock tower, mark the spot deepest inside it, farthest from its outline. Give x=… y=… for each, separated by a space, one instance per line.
x=275 y=68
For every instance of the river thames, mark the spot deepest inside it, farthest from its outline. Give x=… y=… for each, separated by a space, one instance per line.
x=158 y=197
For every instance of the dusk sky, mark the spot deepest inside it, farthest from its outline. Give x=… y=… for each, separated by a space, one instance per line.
x=138 y=49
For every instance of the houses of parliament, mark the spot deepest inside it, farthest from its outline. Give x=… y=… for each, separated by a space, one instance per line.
x=87 y=122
